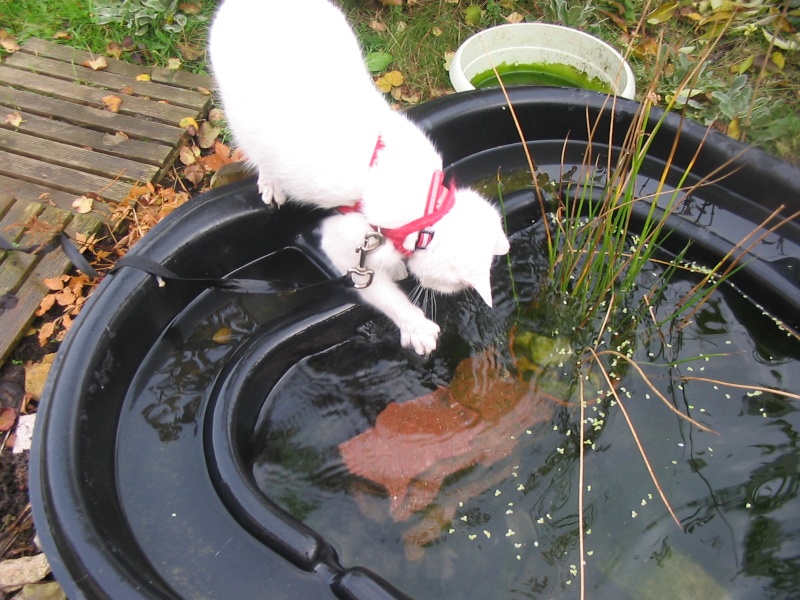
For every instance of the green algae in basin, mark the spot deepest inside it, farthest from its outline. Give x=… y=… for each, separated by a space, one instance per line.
x=554 y=74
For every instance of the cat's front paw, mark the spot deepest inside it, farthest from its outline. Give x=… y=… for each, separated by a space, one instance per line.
x=422 y=336
x=269 y=192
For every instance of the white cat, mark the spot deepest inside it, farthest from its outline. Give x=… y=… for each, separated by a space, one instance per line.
x=303 y=108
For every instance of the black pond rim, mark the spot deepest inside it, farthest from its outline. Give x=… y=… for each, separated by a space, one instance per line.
x=73 y=491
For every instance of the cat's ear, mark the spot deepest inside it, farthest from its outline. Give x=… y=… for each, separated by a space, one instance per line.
x=483 y=286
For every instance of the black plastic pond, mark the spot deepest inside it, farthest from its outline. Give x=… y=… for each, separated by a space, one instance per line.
x=187 y=441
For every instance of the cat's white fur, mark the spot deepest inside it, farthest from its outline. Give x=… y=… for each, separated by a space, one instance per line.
x=305 y=111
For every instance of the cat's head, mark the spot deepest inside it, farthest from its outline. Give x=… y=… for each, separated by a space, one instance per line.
x=464 y=244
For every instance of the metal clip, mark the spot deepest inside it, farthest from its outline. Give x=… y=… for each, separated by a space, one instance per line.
x=372 y=241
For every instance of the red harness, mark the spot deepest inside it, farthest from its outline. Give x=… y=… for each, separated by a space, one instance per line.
x=440 y=200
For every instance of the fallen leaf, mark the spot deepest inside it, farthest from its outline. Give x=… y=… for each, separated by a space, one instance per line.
x=8 y=416
x=515 y=17
x=112 y=103
x=202 y=90
x=188 y=154
x=55 y=284
x=437 y=32
x=190 y=52
x=45 y=305
x=174 y=64
x=83 y=205
x=143 y=77
x=663 y=13
x=378 y=61
x=390 y=80
x=98 y=64
x=115 y=139
x=194 y=173
x=16 y=572
x=189 y=9
x=127 y=90
x=14 y=119
x=211 y=163
x=779 y=59
x=207 y=135
x=42 y=591
x=9 y=43
x=36 y=375
x=216 y=116
x=188 y=122
x=114 y=50
x=376 y=25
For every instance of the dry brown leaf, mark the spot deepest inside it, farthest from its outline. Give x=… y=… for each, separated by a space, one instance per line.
x=62 y=35
x=8 y=416
x=376 y=25
x=8 y=42
x=14 y=119
x=83 y=205
x=202 y=90
x=45 y=305
x=212 y=163
x=194 y=173
x=190 y=52
x=36 y=376
x=98 y=64
x=46 y=331
x=207 y=135
x=115 y=139
x=55 y=284
x=188 y=154
x=114 y=50
x=112 y=103
x=16 y=572
x=127 y=90
x=515 y=17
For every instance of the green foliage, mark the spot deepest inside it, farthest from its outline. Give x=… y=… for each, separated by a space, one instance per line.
x=141 y=15
x=571 y=14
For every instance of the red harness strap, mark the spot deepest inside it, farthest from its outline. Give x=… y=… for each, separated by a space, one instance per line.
x=440 y=200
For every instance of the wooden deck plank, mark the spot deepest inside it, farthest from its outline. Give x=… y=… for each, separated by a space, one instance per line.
x=61 y=178
x=150 y=153
x=184 y=79
x=76 y=157
x=75 y=72
x=33 y=192
x=82 y=94
x=88 y=116
x=14 y=323
x=17 y=265
x=48 y=49
x=67 y=146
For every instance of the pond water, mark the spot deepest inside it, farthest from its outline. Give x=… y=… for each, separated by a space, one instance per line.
x=506 y=525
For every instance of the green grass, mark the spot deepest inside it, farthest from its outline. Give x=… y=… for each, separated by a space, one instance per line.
x=761 y=108
x=53 y=19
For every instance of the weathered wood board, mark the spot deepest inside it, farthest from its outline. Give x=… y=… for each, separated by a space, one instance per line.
x=59 y=141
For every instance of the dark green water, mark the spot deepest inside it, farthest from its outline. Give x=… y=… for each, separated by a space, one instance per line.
x=539 y=74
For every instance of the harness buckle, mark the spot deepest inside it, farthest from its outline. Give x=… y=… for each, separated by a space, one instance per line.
x=360 y=275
